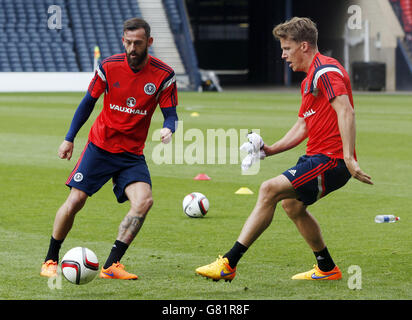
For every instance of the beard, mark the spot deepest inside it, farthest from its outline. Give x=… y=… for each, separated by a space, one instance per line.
x=136 y=60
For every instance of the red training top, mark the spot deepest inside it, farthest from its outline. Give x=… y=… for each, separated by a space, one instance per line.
x=130 y=98
x=325 y=80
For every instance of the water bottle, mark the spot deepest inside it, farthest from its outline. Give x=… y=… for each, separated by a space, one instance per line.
x=386 y=218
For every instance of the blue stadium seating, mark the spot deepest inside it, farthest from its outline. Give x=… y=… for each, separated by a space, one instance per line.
x=174 y=17
x=403 y=10
x=99 y=23
x=28 y=44
x=176 y=12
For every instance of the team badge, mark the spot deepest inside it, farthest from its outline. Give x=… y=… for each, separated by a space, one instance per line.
x=149 y=88
x=78 y=177
x=131 y=102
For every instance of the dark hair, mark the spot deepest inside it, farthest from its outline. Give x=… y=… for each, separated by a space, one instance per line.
x=136 y=23
x=299 y=30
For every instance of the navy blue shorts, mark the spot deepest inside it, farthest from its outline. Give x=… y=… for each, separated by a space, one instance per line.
x=96 y=166
x=315 y=176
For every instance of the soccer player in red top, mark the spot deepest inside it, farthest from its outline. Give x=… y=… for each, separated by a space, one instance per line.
x=327 y=119
x=133 y=83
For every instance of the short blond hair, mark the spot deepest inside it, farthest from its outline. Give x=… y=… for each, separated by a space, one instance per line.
x=299 y=30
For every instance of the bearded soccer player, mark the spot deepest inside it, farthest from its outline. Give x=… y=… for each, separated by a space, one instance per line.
x=327 y=119
x=133 y=83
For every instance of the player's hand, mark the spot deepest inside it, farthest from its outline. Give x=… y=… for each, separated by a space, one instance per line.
x=357 y=172
x=165 y=135
x=66 y=150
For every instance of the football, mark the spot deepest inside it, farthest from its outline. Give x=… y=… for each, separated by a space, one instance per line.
x=195 y=205
x=79 y=265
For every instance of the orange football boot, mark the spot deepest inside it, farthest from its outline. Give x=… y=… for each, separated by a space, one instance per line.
x=317 y=274
x=116 y=271
x=220 y=269
x=49 y=269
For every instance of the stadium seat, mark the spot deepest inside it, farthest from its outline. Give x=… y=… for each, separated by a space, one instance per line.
x=98 y=25
x=403 y=10
x=33 y=47
x=27 y=44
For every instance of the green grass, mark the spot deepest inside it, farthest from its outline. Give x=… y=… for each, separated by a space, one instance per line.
x=170 y=245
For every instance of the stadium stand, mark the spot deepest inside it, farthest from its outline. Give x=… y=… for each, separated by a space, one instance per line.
x=403 y=9
x=406 y=6
x=27 y=44
x=164 y=46
x=179 y=25
x=98 y=23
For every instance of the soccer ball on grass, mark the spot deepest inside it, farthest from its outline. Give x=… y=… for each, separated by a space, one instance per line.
x=195 y=205
x=80 y=265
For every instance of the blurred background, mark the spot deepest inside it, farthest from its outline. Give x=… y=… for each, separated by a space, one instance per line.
x=53 y=45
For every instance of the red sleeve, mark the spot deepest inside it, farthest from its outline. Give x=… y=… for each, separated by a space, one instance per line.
x=332 y=84
x=168 y=95
x=98 y=84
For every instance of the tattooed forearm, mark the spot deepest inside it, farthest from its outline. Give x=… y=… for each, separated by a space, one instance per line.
x=129 y=228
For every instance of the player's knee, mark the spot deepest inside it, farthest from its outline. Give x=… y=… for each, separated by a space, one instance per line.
x=268 y=192
x=76 y=200
x=141 y=206
x=148 y=203
x=292 y=208
x=287 y=206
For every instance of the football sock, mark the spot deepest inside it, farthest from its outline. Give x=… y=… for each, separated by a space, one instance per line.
x=325 y=262
x=235 y=254
x=54 y=248
x=117 y=252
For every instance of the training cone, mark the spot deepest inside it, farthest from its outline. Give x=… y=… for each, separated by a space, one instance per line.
x=202 y=176
x=194 y=114
x=244 y=190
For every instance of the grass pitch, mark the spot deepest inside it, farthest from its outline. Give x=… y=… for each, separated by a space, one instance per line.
x=170 y=245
